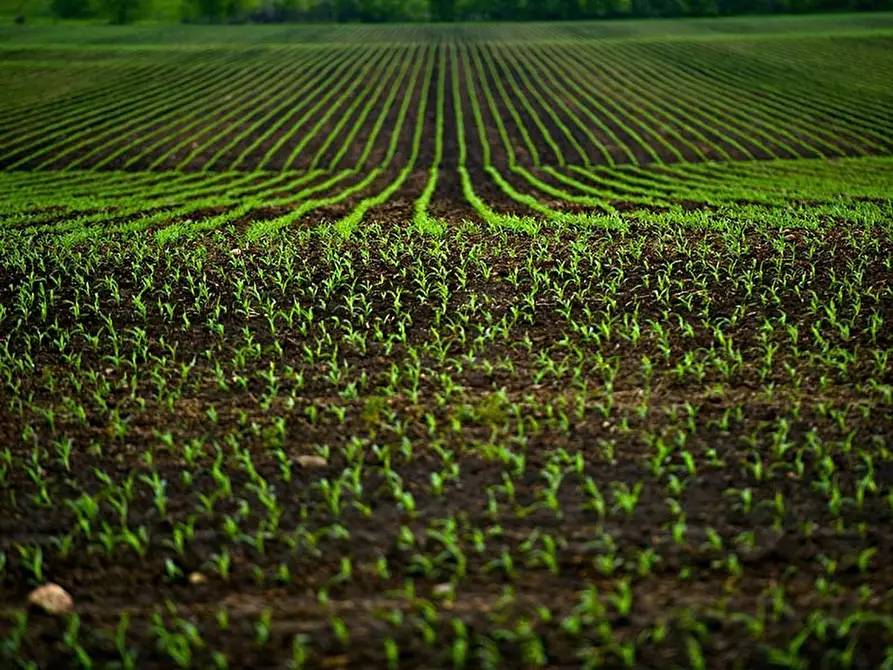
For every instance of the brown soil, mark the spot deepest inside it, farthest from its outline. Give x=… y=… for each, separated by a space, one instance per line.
x=692 y=593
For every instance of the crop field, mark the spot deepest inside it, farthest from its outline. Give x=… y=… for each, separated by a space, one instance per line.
x=474 y=346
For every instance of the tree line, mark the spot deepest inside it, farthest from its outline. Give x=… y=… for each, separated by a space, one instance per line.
x=382 y=11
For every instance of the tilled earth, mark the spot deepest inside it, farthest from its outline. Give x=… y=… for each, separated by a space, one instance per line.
x=662 y=446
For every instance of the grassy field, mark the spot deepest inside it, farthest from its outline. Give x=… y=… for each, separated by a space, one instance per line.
x=528 y=346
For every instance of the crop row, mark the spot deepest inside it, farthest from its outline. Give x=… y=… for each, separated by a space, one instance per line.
x=81 y=204
x=546 y=103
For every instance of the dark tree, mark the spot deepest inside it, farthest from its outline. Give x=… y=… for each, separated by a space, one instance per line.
x=70 y=9
x=121 y=12
x=443 y=10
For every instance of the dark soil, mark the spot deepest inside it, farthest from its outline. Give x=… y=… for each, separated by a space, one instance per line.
x=505 y=408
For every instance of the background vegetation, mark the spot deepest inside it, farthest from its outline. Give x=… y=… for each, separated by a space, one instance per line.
x=379 y=11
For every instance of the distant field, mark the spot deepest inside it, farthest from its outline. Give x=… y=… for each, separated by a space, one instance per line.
x=467 y=122
x=521 y=346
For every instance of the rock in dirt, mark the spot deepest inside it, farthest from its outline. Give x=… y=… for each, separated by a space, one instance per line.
x=196 y=578
x=311 y=461
x=442 y=589
x=52 y=599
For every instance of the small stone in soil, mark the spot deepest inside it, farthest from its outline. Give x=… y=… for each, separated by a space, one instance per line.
x=311 y=461
x=52 y=599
